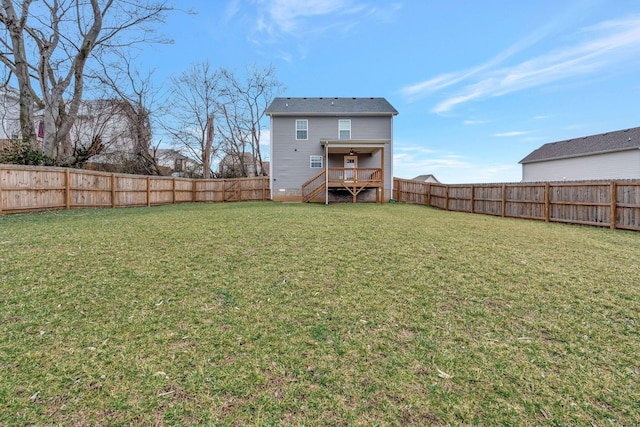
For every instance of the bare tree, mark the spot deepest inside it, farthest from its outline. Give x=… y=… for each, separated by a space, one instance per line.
x=139 y=98
x=243 y=105
x=46 y=46
x=193 y=109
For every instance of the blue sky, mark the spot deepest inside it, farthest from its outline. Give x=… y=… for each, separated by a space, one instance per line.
x=478 y=84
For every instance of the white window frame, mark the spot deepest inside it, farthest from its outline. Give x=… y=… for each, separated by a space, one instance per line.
x=315 y=159
x=306 y=129
x=340 y=130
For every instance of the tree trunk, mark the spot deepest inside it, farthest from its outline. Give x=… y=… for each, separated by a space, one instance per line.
x=206 y=152
x=15 y=26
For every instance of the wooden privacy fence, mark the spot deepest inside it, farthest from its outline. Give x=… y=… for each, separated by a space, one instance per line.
x=31 y=188
x=614 y=204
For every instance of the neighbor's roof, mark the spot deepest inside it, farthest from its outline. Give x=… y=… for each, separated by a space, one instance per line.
x=230 y=159
x=330 y=106
x=620 y=140
x=167 y=153
x=425 y=178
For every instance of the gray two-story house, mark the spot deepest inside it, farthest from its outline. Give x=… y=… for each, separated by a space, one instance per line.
x=331 y=149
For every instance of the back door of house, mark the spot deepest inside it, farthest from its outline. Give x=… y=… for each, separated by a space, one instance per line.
x=350 y=162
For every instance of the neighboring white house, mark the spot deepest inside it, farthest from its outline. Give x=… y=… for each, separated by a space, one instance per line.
x=9 y=113
x=10 y=116
x=110 y=121
x=107 y=120
x=607 y=156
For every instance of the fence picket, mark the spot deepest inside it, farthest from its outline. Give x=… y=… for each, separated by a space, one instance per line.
x=34 y=188
x=614 y=204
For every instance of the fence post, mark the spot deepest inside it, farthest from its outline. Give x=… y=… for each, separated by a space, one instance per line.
x=428 y=194
x=473 y=190
x=193 y=190
x=148 y=191
x=614 y=202
x=547 y=202
x=67 y=189
x=173 y=191
x=113 y=190
x=504 y=200
x=0 y=196
x=446 y=198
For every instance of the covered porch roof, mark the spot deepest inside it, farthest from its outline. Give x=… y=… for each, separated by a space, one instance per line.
x=359 y=146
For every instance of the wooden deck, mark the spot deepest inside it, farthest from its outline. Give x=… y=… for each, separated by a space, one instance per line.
x=354 y=180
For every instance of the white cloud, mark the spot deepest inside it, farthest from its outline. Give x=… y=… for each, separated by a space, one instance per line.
x=305 y=19
x=509 y=134
x=606 y=46
x=437 y=83
x=433 y=85
x=302 y=18
x=233 y=7
x=288 y=14
x=454 y=169
x=265 y=144
x=410 y=161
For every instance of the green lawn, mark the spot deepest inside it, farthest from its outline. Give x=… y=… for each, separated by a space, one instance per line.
x=271 y=314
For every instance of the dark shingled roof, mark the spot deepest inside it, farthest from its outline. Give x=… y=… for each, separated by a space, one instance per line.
x=330 y=106
x=621 y=140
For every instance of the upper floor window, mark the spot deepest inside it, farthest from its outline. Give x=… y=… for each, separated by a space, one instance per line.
x=302 y=129
x=344 y=129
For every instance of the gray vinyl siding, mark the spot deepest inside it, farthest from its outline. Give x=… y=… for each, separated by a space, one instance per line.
x=618 y=165
x=290 y=157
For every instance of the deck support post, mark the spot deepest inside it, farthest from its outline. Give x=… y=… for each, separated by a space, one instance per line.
x=326 y=174
x=382 y=173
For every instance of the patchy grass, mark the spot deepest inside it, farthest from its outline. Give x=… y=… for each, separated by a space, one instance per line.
x=264 y=313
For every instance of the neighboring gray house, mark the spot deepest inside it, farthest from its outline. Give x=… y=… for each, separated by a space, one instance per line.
x=611 y=155
x=231 y=166
x=179 y=164
x=331 y=149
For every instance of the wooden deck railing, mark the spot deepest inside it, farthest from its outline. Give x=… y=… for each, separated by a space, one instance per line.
x=340 y=175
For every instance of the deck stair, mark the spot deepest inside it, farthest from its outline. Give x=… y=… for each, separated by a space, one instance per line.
x=314 y=187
